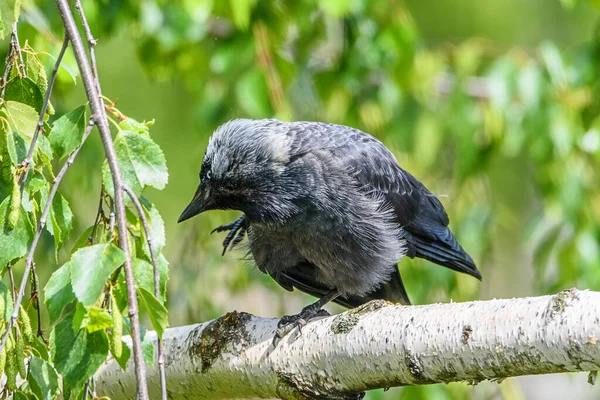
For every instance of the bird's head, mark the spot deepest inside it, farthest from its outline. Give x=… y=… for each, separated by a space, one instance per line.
x=242 y=169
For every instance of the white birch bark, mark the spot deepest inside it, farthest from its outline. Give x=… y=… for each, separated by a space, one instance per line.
x=375 y=346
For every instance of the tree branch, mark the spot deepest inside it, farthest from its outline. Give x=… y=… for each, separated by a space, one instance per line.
x=378 y=345
x=94 y=96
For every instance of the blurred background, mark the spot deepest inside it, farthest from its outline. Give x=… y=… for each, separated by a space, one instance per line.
x=493 y=103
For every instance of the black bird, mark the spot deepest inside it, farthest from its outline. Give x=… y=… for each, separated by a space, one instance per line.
x=327 y=210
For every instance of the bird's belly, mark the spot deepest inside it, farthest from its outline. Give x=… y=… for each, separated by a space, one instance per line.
x=273 y=250
x=339 y=262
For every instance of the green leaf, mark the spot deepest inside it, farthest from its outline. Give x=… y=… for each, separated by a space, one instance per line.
x=17 y=148
x=122 y=361
x=79 y=318
x=156 y=311
x=147 y=342
x=23 y=393
x=23 y=119
x=98 y=319
x=157 y=227
x=39 y=348
x=90 y=269
x=43 y=152
x=144 y=274
x=6 y=304
x=58 y=292
x=83 y=239
x=141 y=161
x=130 y=124
x=62 y=221
x=14 y=243
x=77 y=355
x=43 y=379
x=26 y=91
x=36 y=71
x=9 y=13
x=67 y=132
x=147 y=348
x=91 y=318
x=35 y=182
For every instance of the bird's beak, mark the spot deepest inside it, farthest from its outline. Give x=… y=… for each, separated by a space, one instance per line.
x=196 y=206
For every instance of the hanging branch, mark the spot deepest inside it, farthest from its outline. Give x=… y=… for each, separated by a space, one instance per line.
x=40 y=125
x=7 y=67
x=35 y=295
x=12 y=281
x=91 y=43
x=99 y=215
x=98 y=113
x=14 y=39
x=161 y=356
x=38 y=234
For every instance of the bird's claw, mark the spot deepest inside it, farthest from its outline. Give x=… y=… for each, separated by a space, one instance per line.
x=237 y=230
x=287 y=323
x=223 y=228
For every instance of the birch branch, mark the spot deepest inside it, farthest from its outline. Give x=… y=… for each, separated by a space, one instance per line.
x=378 y=345
x=91 y=86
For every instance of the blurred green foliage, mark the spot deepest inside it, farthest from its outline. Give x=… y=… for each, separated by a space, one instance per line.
x=493 y=103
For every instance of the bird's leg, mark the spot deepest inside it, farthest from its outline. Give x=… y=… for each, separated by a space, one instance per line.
x=289 y=322
x=237 y=227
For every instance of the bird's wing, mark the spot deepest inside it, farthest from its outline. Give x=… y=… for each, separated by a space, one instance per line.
x=377 y=173
x=372 y=166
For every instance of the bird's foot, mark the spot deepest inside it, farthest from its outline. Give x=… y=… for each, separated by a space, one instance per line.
x=287 y=323
x=237 y=230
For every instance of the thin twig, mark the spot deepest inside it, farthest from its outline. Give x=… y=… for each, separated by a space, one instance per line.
x=12 y=281
x=36 y=298
x=99 y=214
x=142 y=214
x=17 y=47
x=111 y=219
x=86 y=389
x=40 y=124
x=94 y=96
x=38 y=234
x=91 y=43
x=7 y=66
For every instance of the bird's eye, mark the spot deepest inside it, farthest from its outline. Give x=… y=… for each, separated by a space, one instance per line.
x=208 y=174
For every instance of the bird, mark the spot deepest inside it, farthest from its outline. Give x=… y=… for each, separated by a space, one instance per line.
x=327 y=210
